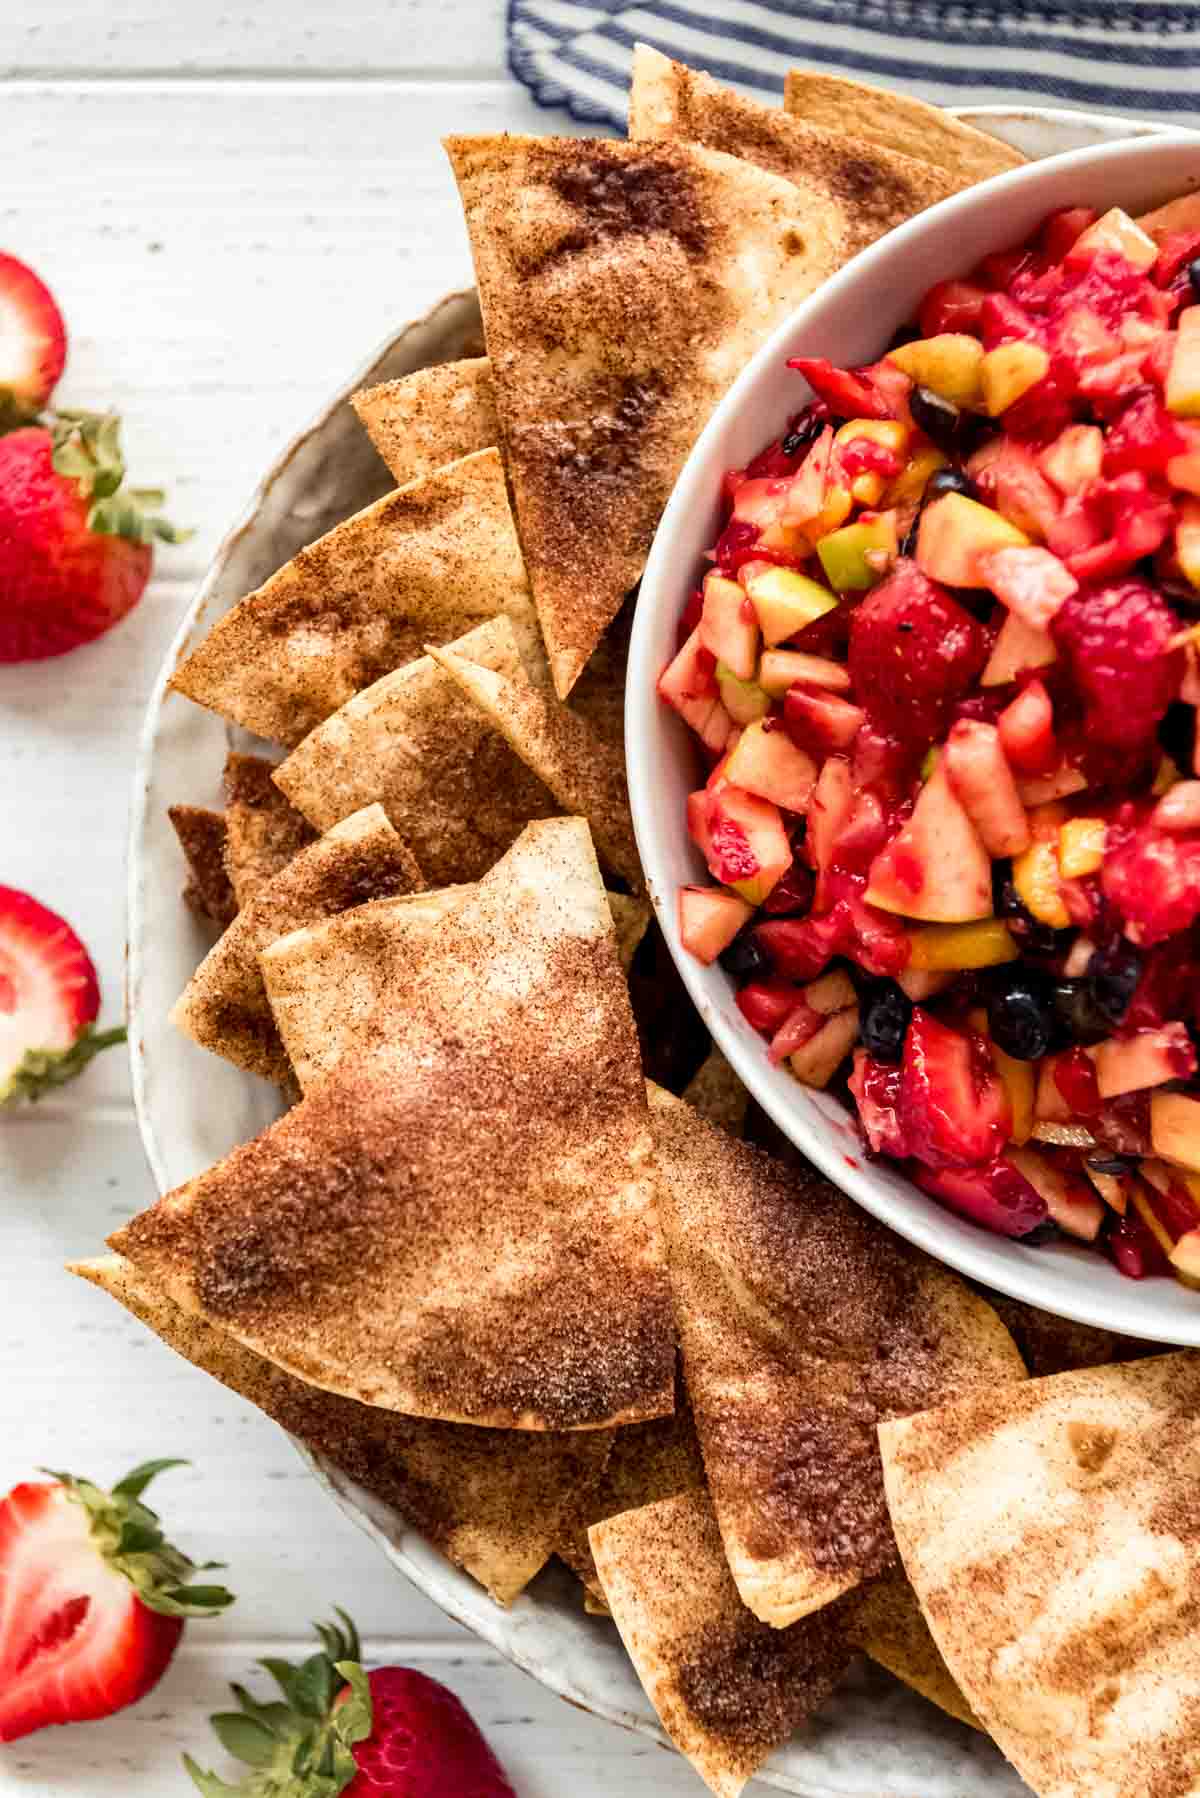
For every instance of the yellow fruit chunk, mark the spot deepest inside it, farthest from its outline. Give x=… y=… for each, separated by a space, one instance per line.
x=1118 y=235
x=1183 y=376
x=1187 y=539
x=914 y=477
x=858 y=555
x=947 y=364
x=1036 y=876
x=1081 y=847
x=982 y=945
x=1175 y=1128
x=867 y=488
x=784 y=600
x=1010 y=371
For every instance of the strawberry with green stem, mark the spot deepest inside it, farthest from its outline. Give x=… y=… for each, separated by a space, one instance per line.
x=49 y=1001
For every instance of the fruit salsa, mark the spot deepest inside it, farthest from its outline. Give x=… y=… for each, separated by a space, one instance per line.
x=943 y=673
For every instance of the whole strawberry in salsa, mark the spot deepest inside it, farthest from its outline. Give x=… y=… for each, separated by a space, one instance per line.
x=94 y=1600
x=390 y=1733
x=944 y=666
x=49 y=1001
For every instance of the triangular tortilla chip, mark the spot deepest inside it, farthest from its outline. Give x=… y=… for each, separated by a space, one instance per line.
x=885 y=1621
x=649 y=1462
x=416 y=744
x=585 y=774
x=421 y=565
x=863 y=191
x=727 y=1689
x=324 y=982
x=1049 y=1344
x=264 y=831
x=803 y=1322
x=491 y=1500
x=623 y=286
x=717 y=1094
x=878 y=116
x=224 y=1005
x=459 y=1223
x=203 y=837
x=431 y=417
x=1050 y=1533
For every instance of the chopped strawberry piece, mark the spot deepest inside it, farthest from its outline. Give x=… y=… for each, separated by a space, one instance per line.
x=1145 y=437
x=1001 y=320
x=1116 y=639
x=1026 y=730
x=996 y=1196
x=847 y=393
x=1174 y=253
x=1061 y=230
x=1153 y=882
x=913 y=651
x=1133 y=1247
x=952 y=306
x=767 y=1004
x=953 y=1107
x=876 y=1089
x=1075 y=1078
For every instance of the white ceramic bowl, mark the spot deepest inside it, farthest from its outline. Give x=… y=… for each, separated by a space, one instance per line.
x=850 y=320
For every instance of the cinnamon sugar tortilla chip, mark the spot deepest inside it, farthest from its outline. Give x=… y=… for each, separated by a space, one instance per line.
x=418 y=746
x=585 y=774
x=728 y=1690
x=860 y=188
x=886 y=1623
x=224 y=1006
x=717 y=1094
x=263 y=831
x=802 y=1323
x=490 y=1500
x=877 y=116
x=505 y=1271
x=1050 y=1532
x=623 y=286
x=431 y=417
x=325 y=982
x=202 y=837
x=421 y=565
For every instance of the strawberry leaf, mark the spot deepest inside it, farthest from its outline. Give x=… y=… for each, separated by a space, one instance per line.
x=208 y=1783
x=87 y=450
x=244 y=1738
x=136 y=1481
x=42 y=1070
x=126 y=1533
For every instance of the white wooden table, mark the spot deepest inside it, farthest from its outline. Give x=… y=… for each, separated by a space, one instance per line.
x=234 y=204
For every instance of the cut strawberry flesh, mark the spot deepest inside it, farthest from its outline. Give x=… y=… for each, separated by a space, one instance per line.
x=953 y=1108
x=996 y=1196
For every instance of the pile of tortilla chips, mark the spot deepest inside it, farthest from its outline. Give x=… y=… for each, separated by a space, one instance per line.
x=535 y=1303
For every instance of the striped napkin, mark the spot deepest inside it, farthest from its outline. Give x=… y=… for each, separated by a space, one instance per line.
x=1116 y=56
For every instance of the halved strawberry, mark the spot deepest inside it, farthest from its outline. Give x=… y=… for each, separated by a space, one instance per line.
x=94 y=1600
x=49 y=998
x=996 y=1196
x=33 y=341
x=953 y=1109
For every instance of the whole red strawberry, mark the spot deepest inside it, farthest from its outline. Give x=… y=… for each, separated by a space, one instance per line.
x=75 y=543
x=94 y=1600
x=49 y=1000
x=391 y=1733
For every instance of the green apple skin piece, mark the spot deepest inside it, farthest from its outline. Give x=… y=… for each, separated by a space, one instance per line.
x=1073 y=1206
x=954 y=531
x=785 y=600
x=844 y=554
x=937 y=869
x=744 y=700
x=767 y=763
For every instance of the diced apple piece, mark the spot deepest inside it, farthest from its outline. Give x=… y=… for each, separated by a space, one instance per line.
x=1175 y=1128
x=1081 y=847
x=1113 y=1188
x=1184 y=470
x=936 y=869
x=832 y=992
x=709 y=919
x=1183 y=376
x=1143 y=1203
x=978 y=771
x=780 y=669
x=906 y=488
x=1116 y=234
x=744 y=700
x=960 y=946
x=1074 y=458
x=954 y=532
x=921 y=983
x=1008 y=372
x=1070 y=1202
x=1029 y=581
x=1184 y=1257
x=759 y=501
x=820 y=721
x=1017 y=649
x=817 y=501
x=729 y=627
x=748 y=846
x=1149 y=1058
x=1060 y=783
x=784 y=600
x=689 y=685
x=1026 y=730
x=768 y=763
x=1181 y=214
x=828 y=811
x=948 y=364
x=1187 y=539
x=1036 y=876
x=818 y=1060
x=861 y=553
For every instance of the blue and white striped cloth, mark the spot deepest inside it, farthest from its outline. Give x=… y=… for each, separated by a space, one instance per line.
x=1116 y=56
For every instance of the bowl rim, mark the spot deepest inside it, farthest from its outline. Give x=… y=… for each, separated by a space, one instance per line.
x=972 y=1251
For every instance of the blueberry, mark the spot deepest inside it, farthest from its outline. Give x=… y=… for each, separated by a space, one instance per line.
x=1034 y=937
x=885 y=1011
x=903 y=334
x=949 y=480
x=805 y=428
x=1177 y=732
x=940 y=419
x=1079 y=1015
x=1193 y=274
x=746 y=958
x=1046 y=1231
x=1021 y=1015
x=1113 y=974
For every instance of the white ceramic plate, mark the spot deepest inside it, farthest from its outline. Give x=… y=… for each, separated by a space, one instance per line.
x=875 y=1739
